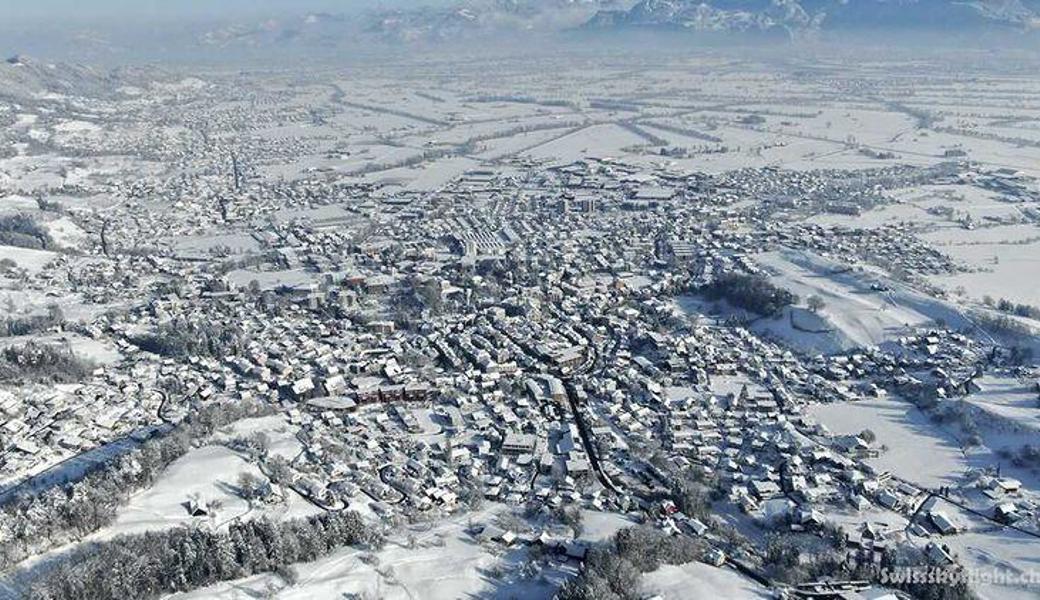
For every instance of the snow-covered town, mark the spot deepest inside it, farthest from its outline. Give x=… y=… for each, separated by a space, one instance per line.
x=645 y=327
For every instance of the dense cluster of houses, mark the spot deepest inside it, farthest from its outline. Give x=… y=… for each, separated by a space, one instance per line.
x=522 y=345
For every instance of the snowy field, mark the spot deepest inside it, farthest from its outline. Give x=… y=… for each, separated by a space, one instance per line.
x=853 y=314
x=698 y=580
x=444 y=563
x=1011 y=402
x=210 y=474
x=1005 y=270
x=917 y=450
x=1002 y=551
x=31 y=260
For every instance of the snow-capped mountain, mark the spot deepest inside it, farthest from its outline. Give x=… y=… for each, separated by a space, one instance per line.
x=461 y=21
x=814 y=15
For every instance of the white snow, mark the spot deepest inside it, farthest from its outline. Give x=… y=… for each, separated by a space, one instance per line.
x=698 y=580
x=917 y=450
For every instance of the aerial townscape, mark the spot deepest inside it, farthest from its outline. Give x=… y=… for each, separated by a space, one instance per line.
x=532 y=299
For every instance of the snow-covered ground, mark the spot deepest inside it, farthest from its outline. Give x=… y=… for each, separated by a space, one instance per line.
x=920 y=450
x=854 y=315
x=209 y=473
x=65 y=232
x=698 y=580
x=31 y=260
x=1009 y=402
x=917 y=450
x=1002 y=552
x=16 y=203
x=444 y=563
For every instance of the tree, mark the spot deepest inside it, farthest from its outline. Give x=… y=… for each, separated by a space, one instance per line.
x=154 y=564
x=24 y=231
x=754 y=293
x=251 y=487
x=587 y=587
x=574 y=518
x=279 y=469
x=783 y=558
x=816 y=303
x=37 y=362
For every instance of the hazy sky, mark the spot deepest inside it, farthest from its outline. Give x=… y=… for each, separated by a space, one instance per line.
x=132 y=30
x=78 y=10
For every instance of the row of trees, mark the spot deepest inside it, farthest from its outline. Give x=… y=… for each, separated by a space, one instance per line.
x=614 y=572
x=909 y=557
x=798 y=558
x=182 y=338
x=34 y=362
x=754 y=293
x=1028 y=456
x=25 y=232
x=1015 y=333
x=16 y=326
x=33 y=520
x=153 y=564
x=1007 y=306
x=794 y=558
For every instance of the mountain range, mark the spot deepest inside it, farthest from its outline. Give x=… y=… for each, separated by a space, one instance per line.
x=465 y=21
x=793 y=16
x=473 y=18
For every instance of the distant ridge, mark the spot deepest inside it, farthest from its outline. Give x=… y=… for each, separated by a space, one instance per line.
x=23 y=78
x=306 y=35
x=799 y=16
